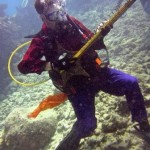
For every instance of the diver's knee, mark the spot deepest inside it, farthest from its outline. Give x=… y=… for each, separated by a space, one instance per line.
x=134 y=80
x=131 y=81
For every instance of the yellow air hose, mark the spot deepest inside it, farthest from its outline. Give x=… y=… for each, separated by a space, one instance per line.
x=9 y=67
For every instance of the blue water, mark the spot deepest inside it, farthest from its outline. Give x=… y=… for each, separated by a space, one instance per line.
x=12 y=5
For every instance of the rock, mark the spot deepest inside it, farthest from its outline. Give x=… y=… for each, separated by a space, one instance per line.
x=21 y=133
x=117 y=123
x=123 y=145
x=123 y=109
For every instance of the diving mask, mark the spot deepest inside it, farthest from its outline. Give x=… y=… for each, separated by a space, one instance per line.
x=53 y=11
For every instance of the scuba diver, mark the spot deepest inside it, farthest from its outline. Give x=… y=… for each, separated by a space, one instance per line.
x=61 y=36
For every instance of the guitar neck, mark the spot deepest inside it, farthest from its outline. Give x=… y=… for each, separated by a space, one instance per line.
x=110 y=22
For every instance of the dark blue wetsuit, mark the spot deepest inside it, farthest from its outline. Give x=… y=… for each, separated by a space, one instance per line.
x=111 y=81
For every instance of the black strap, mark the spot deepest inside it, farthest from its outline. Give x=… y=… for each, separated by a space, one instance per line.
x=77 y=28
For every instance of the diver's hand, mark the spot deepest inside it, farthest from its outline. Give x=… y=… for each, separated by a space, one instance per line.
x=64 y=62
x=104 y=30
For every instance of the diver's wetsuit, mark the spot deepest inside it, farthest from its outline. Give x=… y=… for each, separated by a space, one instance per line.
x=111 y=81
x=108 y=80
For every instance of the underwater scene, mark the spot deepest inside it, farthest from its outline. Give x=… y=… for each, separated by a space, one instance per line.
x=75 y=75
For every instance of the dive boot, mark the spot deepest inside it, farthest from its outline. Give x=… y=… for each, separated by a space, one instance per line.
x=143 y=129
x=70 y=142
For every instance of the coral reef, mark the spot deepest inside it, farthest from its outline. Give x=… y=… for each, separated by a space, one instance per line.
x=8 y=42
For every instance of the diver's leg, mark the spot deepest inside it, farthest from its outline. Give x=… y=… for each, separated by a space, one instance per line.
x=119 y=83
x=84 y=107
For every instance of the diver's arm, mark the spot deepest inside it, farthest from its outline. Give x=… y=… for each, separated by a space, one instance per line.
x=99 y=44
x=32 y=62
